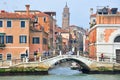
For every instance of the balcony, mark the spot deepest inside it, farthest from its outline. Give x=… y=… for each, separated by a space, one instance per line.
x=2 y=45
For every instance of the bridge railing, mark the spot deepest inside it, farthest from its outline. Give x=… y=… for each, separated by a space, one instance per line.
x=47 y=56
x=8 y=63
x=107 y=59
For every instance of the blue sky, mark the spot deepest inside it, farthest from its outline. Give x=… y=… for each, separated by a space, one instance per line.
x=79 y=9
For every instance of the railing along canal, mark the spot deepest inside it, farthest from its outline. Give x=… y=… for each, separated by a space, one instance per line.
x=8 y=63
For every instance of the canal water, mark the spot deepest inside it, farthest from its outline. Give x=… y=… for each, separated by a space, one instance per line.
x=63 y=72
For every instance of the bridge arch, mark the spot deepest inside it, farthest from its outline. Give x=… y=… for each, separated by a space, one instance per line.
x=83 y=62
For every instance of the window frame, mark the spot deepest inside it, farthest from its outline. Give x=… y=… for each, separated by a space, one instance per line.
x=34 y=41
x=21 y=24
x=21 y=56
x=22 y=38
x=117 y=39
x=7 y=58
x=44 y=19
x=44 y=41
x=1 y=25
x=7 y=39
x=1 y=57
x=10 y=23
x=2 y=41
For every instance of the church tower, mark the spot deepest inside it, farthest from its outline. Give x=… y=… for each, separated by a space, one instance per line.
x=65 y=17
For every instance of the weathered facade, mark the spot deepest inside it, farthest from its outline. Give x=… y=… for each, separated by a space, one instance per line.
x=104 y=36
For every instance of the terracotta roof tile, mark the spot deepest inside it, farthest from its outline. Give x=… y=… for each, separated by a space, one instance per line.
x=12 y=15
x=42 y=14
x=58 y=29
x=16 y=15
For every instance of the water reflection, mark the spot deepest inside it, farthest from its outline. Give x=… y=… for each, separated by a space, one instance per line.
x=64 y=71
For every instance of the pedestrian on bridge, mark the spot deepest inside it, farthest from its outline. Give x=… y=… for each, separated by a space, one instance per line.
x=102 y=57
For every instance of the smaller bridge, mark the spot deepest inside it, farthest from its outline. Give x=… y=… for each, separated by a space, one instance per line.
x=87 y=64
x=84 y=62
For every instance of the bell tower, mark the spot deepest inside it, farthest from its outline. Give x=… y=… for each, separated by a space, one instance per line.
x=65 y=17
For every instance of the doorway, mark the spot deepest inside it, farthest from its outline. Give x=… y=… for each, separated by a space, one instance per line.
x=118 y=55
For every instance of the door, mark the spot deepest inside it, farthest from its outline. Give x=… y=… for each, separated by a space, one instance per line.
x=118 y=55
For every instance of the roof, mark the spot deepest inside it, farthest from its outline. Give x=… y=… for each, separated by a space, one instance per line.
x=41 y=14
x=13 y=15
x=58 y=29
x=35 y=12
x=93 y=15
x=20 y=16
x=50 y=13
x=29 y=11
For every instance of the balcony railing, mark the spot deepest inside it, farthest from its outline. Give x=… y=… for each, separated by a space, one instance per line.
x=2 y=45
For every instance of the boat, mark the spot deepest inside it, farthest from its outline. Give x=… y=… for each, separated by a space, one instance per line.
x=75 y=66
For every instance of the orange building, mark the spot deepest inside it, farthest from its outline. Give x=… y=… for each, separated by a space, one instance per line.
x=14 y=38
x=40 y=30
x=23 y=32
x=92 y=41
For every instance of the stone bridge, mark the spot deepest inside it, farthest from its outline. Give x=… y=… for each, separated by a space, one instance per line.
x=87 y=64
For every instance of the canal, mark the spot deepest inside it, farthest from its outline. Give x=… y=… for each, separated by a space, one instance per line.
x=63 y=72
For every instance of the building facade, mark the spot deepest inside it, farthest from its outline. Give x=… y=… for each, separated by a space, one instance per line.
x=14 y=38
x=104 y=37
x=23 y=33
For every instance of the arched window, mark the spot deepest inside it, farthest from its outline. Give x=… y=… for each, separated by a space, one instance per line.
x=117 y=39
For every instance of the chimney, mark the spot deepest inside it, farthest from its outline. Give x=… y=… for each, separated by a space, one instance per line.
x=2 y=11
x=27 y=9
x=91 y=11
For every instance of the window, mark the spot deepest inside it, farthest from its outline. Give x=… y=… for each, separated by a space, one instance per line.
x=1 y=24
x=22 y=56
x=1 y=39
x=35 y=40
x=44 y=19
x=9 y=39
x=117 y=39
x=0 y=56
x=65 y=15
x=44 y=41
x=22 y=24
x=9 y=56
x=8 y=23
x=94 y=20
x=23 y=39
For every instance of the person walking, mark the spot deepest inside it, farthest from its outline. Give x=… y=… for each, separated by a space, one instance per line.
x=102 y=57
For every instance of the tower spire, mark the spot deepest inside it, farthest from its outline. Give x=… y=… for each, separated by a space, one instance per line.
x=66 y=5
x=65 y=17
